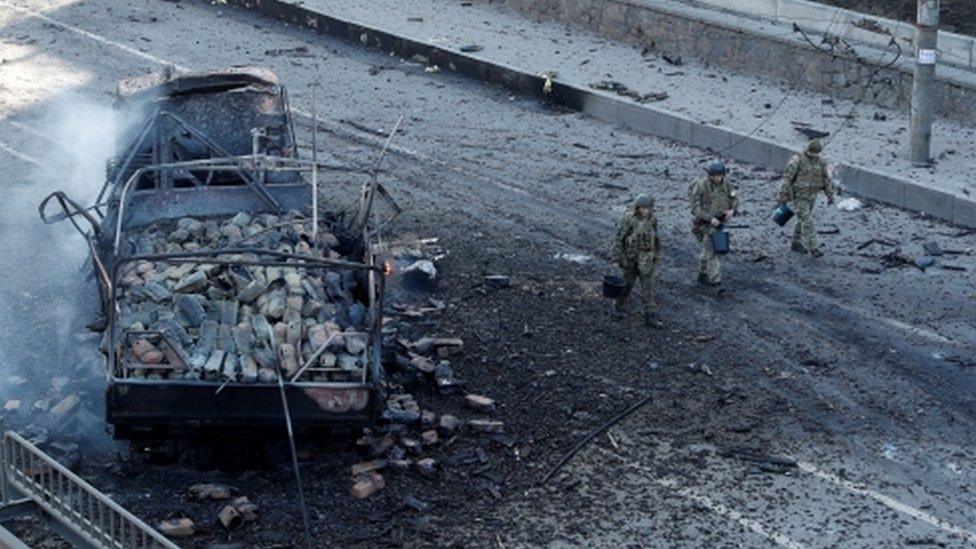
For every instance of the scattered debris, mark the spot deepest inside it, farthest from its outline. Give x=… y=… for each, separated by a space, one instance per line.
x=298 y=51
x=924 y=262
x=367 y=484
x=209 y=491
x=367 y=466
x=421 y=272
x=849 y=204
x=480 y=403
x=621 y=89
x=177 y=528
x=427 y=467
x=66 y=405
x=810 y=133
x=673 y=60
x=932 y=248
x=12 y=405
x=471 y=48
x=415 y=504
x=497 y=282
x=573 y=258
x=486 y=426
x=246 y=509
x=765 y=462
x=871 y=241
x=230 y=517
x=448 y=425
x=432 y=69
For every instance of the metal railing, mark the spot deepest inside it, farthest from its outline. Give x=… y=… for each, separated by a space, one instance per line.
x=81 y=513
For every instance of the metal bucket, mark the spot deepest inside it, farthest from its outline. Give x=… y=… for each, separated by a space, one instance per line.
x=720 y=242
x=782 y=214
x=613 y=286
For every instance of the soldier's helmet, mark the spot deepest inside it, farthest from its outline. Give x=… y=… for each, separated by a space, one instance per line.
x=644 y=201
x=815 y=146
x=716 y=168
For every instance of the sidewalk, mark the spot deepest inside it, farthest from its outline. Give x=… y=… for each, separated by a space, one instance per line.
x=741 y=117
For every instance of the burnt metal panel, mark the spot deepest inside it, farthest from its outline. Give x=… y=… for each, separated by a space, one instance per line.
x=200 y=404
x=154 y=205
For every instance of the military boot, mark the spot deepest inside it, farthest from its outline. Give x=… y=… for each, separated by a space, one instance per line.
x=703 y=279
x=619 y=308
x=798 y=248
x=816 y=252
x=651 y=321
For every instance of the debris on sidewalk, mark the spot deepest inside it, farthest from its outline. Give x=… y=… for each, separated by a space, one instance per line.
x=622 y=89
x=849 y=204
x=808 y=132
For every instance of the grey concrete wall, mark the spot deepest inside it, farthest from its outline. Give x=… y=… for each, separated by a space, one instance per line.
x=710 y=41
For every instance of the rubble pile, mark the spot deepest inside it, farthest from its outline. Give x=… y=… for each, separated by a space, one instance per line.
x=241 y=323
x=410 y=432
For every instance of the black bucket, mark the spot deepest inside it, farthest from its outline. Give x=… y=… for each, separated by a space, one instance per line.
x=720 y=242
x=782 y=214
x=613 y=286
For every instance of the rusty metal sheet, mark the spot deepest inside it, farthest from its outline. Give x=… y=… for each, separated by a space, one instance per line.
x=337 y=400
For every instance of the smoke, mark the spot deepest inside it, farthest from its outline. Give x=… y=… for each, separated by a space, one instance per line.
x=47 y=292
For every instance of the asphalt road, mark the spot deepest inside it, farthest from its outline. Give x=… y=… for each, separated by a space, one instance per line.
x=864 y=375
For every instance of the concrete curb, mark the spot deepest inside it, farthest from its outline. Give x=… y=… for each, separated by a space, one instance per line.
x=624 y=112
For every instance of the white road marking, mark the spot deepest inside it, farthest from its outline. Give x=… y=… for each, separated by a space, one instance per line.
x=889 y=502
x=90 y=35
x=812 y=469
x=894 y=323
x=38 y=133
x=718 y=508
x=23 y=156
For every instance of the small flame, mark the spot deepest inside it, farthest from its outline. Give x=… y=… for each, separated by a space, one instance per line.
x=388 y=268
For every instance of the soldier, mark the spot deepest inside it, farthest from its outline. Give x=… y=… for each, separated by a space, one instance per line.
x=805 y=177
x=636 y=250
x=713 y=203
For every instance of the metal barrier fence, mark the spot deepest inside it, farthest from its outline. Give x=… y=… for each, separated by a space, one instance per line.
x=31 y=479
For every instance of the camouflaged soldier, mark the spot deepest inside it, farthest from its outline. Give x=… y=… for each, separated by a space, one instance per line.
x=636 y=250
x=713 y=203
x=804 y=178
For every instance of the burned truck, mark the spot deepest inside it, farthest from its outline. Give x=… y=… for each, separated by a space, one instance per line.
x=232 y=299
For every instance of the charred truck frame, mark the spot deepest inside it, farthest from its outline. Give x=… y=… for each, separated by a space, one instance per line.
x=214 y=145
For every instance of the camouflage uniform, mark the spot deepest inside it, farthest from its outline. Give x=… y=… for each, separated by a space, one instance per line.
x=805 y=176
x=637 y=250
x=709 y=200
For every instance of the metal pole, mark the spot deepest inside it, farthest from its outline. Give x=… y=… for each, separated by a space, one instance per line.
x=315 y=166
x=923 y=86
